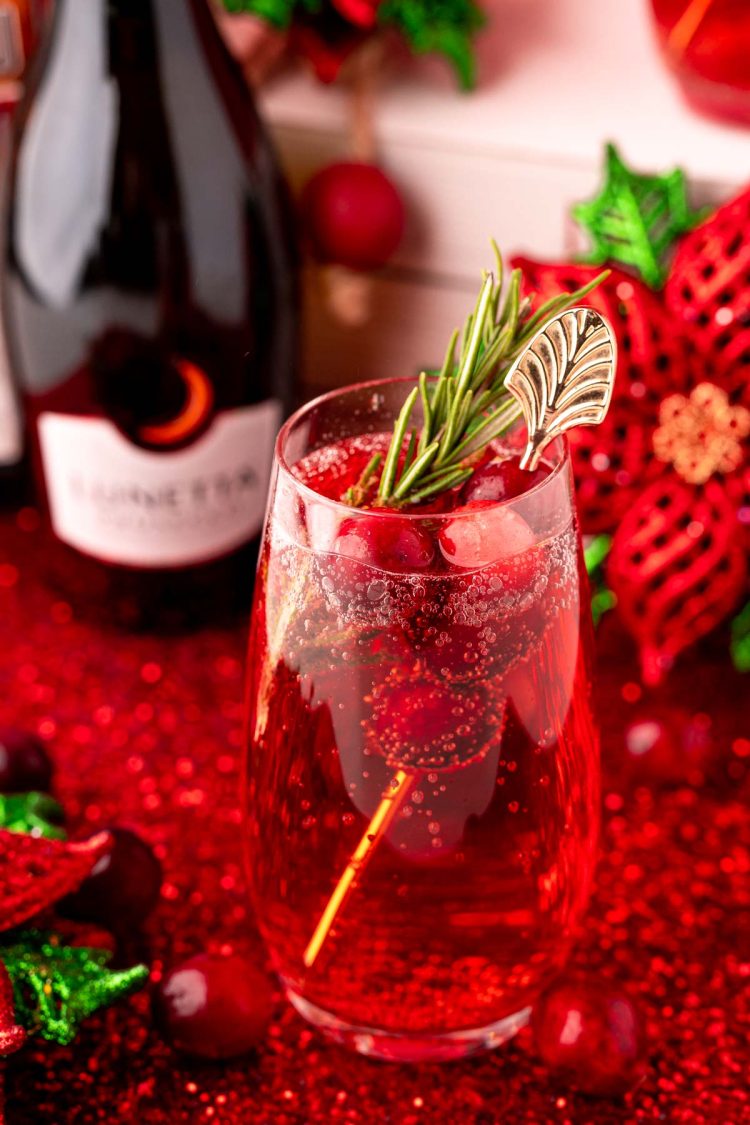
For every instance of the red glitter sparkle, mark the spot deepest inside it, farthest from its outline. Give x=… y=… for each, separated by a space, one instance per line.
x=670 y=918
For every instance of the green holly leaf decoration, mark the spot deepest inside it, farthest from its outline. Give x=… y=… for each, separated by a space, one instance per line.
x=36 y=814
x=739 y=646
x=635 y=219
x=56 y=986
x=595 y=555
x=445 y=27
x=279 y=13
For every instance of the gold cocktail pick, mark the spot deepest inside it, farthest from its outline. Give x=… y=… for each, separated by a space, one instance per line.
x=564 y=378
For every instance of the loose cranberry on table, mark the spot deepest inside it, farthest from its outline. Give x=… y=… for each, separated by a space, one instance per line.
x=123 y=887
x=666 y=745
x=24 y=764
x=590 y=1032
x=214 y=1007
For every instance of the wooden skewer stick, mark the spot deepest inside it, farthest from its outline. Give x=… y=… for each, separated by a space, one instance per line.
x=382 y=818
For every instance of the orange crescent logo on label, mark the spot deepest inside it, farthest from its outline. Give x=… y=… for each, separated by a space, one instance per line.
x=199 y=398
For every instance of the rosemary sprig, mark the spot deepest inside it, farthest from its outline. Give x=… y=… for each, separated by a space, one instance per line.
x=357 y=494
x=466 y=406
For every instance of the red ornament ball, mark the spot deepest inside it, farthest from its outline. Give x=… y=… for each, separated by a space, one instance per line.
x=24 y=764
x=214 y=1007
x=353 y=215
x=123 y=887
x=591 y=1032
x=668 y=746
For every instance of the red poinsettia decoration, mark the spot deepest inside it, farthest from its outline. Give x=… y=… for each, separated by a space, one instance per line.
x=668 y=472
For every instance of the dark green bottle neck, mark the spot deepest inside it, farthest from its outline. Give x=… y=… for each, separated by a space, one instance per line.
x=136 y=30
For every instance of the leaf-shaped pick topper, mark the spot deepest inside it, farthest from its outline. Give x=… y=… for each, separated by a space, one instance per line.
x=564 y=378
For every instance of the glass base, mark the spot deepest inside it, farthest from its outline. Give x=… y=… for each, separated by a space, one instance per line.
x=410 y=1048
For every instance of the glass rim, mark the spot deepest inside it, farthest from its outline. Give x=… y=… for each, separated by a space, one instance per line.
x=559 y=444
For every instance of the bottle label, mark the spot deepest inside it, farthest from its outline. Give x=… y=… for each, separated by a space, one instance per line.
x=126 y=505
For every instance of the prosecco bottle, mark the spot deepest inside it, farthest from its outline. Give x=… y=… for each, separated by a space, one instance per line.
x=150 y=299
x=20 y=23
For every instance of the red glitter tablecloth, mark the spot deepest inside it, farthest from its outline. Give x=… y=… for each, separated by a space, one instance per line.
x=147 y=732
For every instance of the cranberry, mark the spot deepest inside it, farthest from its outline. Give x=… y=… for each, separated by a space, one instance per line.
x=387 y=541
x=483 y=533
x=454 y=651
x=214 y=1007
x=353 y=213
x=501 y=479
x=123 y=886
x=420 y=724
x=668 y=746
x=590 y=1031
x=24 y=764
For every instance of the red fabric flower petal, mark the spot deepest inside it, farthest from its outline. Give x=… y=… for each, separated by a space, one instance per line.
x=708 y=290
x=36 y=872
x=738 y=491
x=677 y=568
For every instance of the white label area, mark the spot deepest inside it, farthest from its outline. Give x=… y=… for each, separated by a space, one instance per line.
x=122 y=504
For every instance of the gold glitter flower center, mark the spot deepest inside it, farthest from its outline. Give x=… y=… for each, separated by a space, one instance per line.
x=701 y=434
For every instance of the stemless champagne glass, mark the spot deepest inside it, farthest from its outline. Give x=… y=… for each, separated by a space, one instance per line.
x=422 y=775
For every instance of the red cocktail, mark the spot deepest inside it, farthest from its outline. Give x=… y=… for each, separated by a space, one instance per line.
x=422 y=769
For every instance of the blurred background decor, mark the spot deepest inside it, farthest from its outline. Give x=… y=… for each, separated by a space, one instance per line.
x=327 y=33
x=352 y=213
x=706 y=45
x=145 y=728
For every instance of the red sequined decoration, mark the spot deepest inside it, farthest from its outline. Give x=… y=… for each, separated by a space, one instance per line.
x=614 y=460
x=676 y=567
x=11 y=1035
x=35 y=872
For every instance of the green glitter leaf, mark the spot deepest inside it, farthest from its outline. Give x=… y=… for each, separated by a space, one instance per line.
x=739 y=645
x=595 y=555
x=55 y=986
x=635 y=219
x=35 y=814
